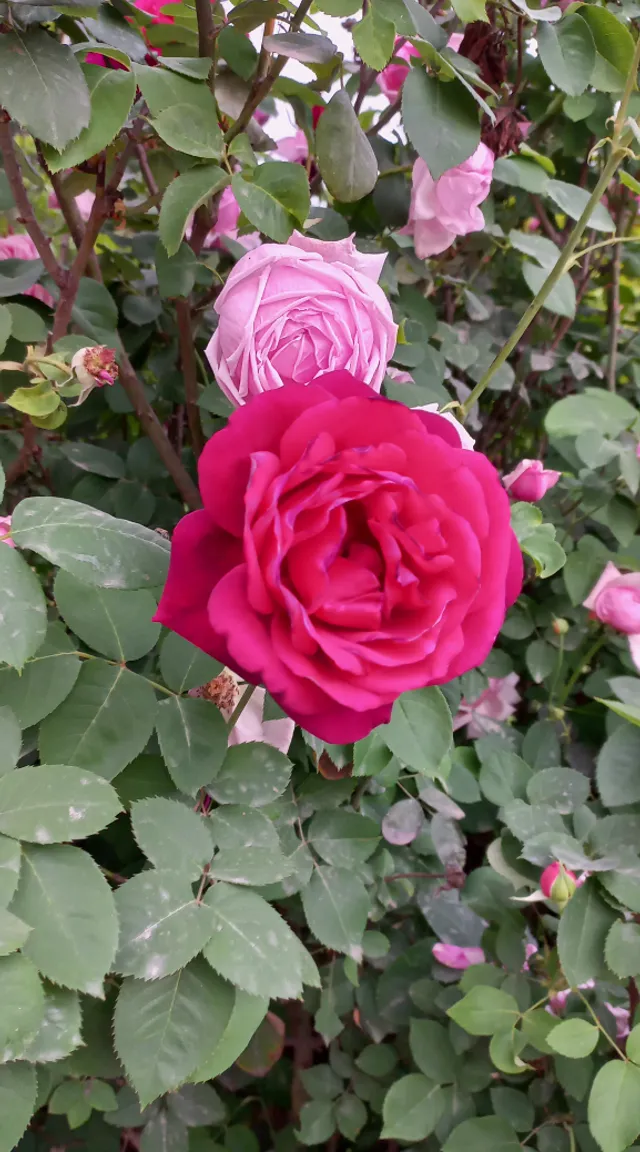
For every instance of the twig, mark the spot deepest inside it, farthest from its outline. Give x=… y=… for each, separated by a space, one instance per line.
x=145 y=168
x=19 y=192
x=190 y=373
x=206 y=29
x=261 y=87
x=416 y=876
x=386 y=116
x=22 y=462
x=64 y=308
x=615 y=307
x=545 y=221
x=69 y=209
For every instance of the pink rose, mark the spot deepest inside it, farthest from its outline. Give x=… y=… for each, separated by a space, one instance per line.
x=446 y=208
x=454 y=957
x=348 y=550
x=22 y=247
x=530 y=480
x=84 y=202
x=491 y=708
x=558 y=1002
x=552 y=874
x=615 y=600
x=227 y=224
x=295 y=149
x=5 y=528
x=622 y=1017
x=293 y=311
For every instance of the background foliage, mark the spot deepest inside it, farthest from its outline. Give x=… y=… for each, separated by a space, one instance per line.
x=300 y=999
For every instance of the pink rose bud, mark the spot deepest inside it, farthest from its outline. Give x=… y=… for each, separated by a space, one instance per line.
x=94 y=368
x=453 y=956
x=615 y=600
x=530 y=480
x=5 y=528
x=446 y=208
x=558 y=884
x=290 y=312
x=560 y=626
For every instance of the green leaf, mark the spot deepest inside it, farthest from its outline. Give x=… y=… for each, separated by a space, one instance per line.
x=573 y=201
x=183 y=666
x=345 y=157
x=250 y=851
x=514 y=1107
x=36 y=692
x=618 y=767
x=562 y=297
x=19 y=275
x=344 y=839
x=10 y=740
x=116 y=624
x=441 y=121
x=164 y=1131
x=317 y=1123
x=164 y=1029
x=374 y=38
x=6 y=324
x=252 y=946
x=184 y=194
x=162 y=89
x=253 y=774
x=190 y=129
x=485 y=1010
x=38 y=401
x=112 y=93
x=351 y=1116
x=104 y=723
x=574 y=1038
x=193 y=740
x=336 y=905
x=90 y=458
x=614 y=48
x=420 y=730
x=162 y=926
x=171 y=835
x=194 y=69
x=13 y=932
x=432 y=1050
x=302 y=46
x=69 y=906
x=52 y=803
x=562 y=788
x=633 y=1045
x=9 y=869
x=568 y=53
x=583 y=930
x=91 y=545
x=630 y=712
x=377 y=1060
x=22 y=1003
x=23 y=613
x=622 y=949
x=275 y=199
x=594 y=409
x=96 y=315
x=42 y=86
x=484 y=1134
x=614 y=1106
x=18 y=1087
x=198 y=1104
x=470 y=10
x=59 y=1032
x=248 y=1013
x=412 y=1108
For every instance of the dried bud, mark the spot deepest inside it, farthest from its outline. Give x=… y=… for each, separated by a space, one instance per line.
x=560 y=626
x=503 y=136
x=558 y=884
x=487 y=48
x=95 y=367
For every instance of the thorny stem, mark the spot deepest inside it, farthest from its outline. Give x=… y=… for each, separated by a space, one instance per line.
x=206 y=35
x=190 y=374
x=583 y=662
x=621 y=138
x=240 y=706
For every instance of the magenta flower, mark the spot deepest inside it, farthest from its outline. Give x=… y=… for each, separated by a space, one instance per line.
x=491 y=708
x=453 y=956
x=530 y=480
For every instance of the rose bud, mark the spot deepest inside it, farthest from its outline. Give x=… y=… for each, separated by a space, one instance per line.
x=560 y=626
x=558 y=884
x=530 y=480
x=94 y=368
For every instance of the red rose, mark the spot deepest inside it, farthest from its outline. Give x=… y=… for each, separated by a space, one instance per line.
x=349 y=550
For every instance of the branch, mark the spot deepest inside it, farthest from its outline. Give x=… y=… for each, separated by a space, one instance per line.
x=64 y=308
x=69 y=209
x=386 y=116
x=190 y=372
x=206 y=30
x=27 y=215
x=615 y=308
x=261 y=87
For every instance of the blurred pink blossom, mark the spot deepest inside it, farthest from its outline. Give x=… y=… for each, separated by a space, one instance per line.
x=530 y=480
x=22 y=247
x=615 y=600
x=227 y=224
x=443 y=209
x=84 y=203
x=391 y=79
x=5 y=526
x=557 y=1002
x=622 y=1019
x=453 y=956
x=295 y=149
x=491 y=708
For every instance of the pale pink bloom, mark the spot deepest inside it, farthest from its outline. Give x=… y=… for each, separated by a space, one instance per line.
x=615 y=600
x=491 y=708
x=530 y=480
x=400 y=377
x=529 y=951
x=453 y=956
x=5 y=526
x=455 y=40
x=391 y=79
x=22 y=247
x=557 y=1002
x=260 y=117
x=444 y=209
x=226 y=224
x=84 y=202
x=295 y=149
x=622 y=1019
x=291 y=312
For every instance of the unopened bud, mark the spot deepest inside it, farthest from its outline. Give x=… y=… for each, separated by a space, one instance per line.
x=556 y=713
x=558 y=884
x=94 y=368
x=560 y=626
